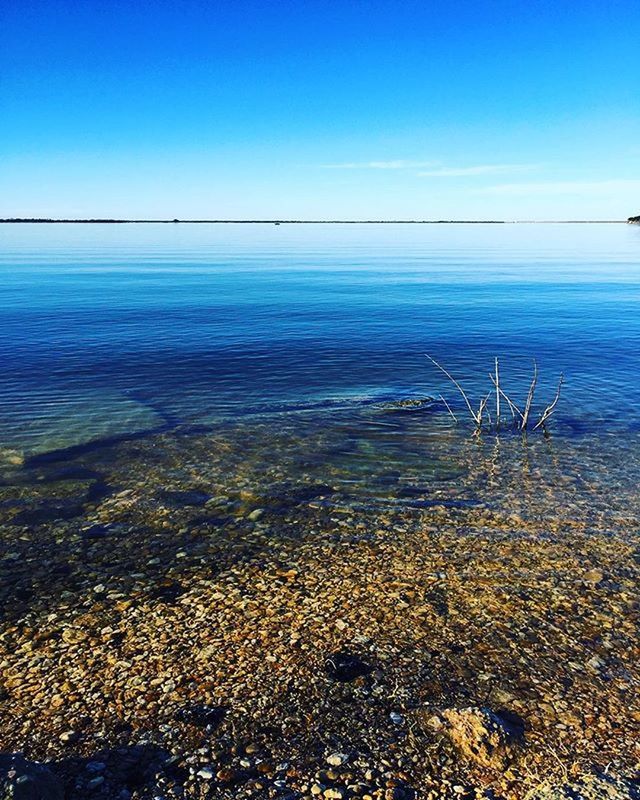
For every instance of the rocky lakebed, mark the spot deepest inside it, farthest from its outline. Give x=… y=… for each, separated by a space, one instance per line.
x=378 y=609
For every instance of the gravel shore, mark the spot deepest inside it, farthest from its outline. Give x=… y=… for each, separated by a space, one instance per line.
x=202 y=615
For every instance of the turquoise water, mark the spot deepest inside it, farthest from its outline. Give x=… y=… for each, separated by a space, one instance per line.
x=112 y=330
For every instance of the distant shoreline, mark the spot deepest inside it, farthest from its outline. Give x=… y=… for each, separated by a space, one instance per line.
x=22 y=221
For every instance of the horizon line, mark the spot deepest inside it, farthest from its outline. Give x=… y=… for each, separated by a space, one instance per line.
x=98 y=220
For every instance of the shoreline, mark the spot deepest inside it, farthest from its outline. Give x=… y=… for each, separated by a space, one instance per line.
x=18 y=221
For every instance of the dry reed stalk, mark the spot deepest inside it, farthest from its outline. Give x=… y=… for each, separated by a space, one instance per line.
x=520 y=418
x=474 y=416
x=455 y=419
x=551 y=407
x=512 y=406
x=532 y=391
x=497 y=383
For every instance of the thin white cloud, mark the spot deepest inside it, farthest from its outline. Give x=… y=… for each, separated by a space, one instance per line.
x=479 y=169
x=434 y=169
x=395 y=164
x=561 y=188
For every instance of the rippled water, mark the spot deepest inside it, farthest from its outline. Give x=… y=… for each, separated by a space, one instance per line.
x=205 y=448
x=116 y=330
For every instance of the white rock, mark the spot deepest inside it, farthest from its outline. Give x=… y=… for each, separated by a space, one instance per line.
x=207 y=773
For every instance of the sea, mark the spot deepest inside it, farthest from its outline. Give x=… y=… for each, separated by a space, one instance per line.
x=305 y=346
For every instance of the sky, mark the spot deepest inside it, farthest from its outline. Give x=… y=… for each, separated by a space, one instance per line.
x=429 y=109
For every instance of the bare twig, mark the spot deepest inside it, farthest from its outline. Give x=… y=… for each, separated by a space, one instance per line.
x=512 y=406
x=551 y=407
x=497 y=384
x=455 y=419
x=475 y=417
x=521 y=419
x=481 y=408
x=532 y=389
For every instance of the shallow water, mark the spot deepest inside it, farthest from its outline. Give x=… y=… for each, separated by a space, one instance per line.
x=114 y=331
x=212 y=484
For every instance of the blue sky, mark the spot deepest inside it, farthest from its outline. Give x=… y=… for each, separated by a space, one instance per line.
x=300 y=109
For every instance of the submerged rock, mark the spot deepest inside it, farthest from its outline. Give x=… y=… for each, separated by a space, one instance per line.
x=10 y=457
x=343 y=666
x=490 y=738
x=407 y=404
x=27 y=780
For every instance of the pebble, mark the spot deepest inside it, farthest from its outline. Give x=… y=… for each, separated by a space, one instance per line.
x=337 y=759
x=207 y=773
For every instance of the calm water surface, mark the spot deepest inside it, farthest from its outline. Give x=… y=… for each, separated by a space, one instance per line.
x=112 y=331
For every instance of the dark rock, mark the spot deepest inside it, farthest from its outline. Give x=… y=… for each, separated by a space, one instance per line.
x=96 y=531
x=343 y=666
x=167 y=592
x=203 y=716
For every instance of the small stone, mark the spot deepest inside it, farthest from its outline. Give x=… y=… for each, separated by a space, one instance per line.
x=73 y=636
x=337 y=759
x=435 y=723
x=396 y=718
x=255 y=515
x=334 y=793
x=68 y=737
x=206 y=773
x=595 y=663
x=594 y=576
